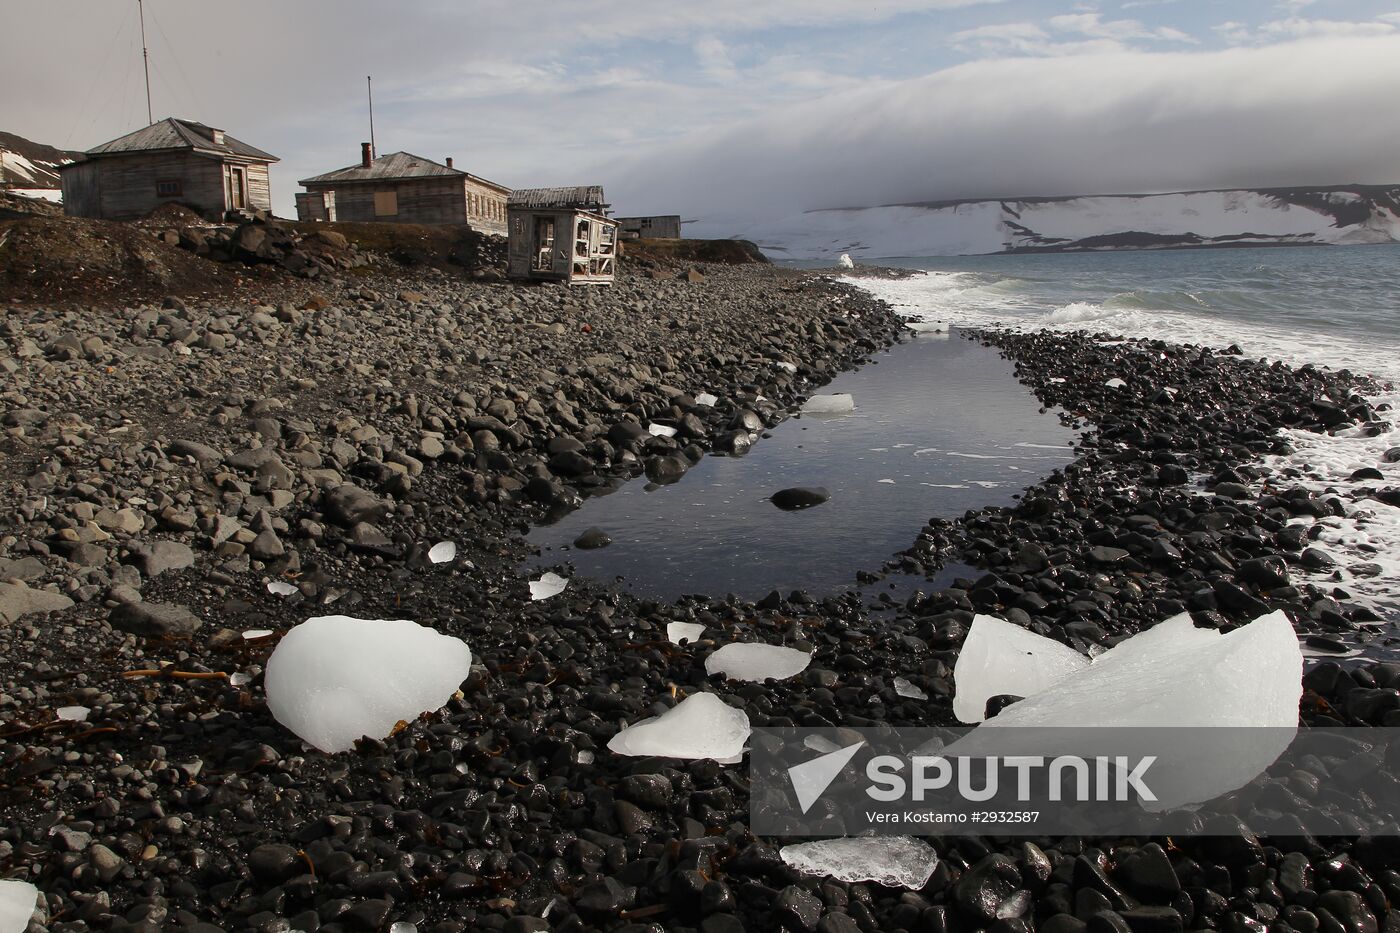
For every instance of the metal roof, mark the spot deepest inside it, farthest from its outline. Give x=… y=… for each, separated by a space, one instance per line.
x=584 y=197
x=173 y=133
x=394 y=166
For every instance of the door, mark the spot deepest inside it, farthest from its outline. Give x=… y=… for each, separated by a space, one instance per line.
x=237 y=189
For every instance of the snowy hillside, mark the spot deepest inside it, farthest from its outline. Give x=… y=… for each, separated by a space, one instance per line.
x=25 y=164
x=1275 y=216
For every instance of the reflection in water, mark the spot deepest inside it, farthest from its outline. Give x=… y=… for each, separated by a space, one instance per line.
x=940 y=426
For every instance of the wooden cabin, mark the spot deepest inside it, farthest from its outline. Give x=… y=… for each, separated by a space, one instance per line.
x=562 y=235
x=656 y=227
x=407 y=189
x=170 y=162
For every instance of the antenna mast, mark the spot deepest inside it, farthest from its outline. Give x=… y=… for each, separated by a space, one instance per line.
x=145 y=62
x=369 y=87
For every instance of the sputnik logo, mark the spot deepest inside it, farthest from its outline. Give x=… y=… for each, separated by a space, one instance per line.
x=811 y=778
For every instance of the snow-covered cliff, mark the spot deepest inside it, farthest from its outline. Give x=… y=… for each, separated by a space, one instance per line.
x=1274 y=216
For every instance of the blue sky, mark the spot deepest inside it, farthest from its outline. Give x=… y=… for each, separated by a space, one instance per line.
x=746 y=109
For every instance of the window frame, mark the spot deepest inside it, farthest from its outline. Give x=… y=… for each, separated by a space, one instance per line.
x=174 y=183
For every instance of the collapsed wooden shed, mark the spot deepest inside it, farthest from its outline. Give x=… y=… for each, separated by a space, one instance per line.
x=562 y=235
x=172 y=161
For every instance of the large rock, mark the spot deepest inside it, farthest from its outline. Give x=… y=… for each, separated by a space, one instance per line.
x=17 y=600
x=156 y=557
x=347 y=505
x=667 y=469
x=149 y=619
x=800 y=497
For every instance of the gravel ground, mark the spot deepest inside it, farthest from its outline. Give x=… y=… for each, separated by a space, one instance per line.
x=162 y=465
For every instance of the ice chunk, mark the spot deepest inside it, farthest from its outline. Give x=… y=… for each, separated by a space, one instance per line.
x=999 y=658
x=403 y=926
x=838 y=403
x=333 y=679
x=444 y=552
x=1172 y=675
x=757 y=662
x=845 y=262
x=784 y=365
x=280 y=588
x=661 y=430
x=585 y=756
x=72 y=713
x=907 y=690
x=253 y=634
x=706 y=399
x=551 y=584
x=894 y=861
x=17 y=902
x=239 y=679
x=700 y=726
x=681 y=632
x=1115 y=383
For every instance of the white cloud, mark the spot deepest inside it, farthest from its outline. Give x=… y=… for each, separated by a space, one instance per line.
x=1301 y=112
x=1298 y=27
x=713 y=57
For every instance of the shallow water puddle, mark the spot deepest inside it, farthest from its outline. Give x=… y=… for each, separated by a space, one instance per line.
x=940 y=426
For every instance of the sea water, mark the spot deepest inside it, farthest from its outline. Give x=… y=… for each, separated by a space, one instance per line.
x=1337 y=307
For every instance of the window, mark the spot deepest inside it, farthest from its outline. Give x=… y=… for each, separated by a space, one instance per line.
x=169 y=188
x=386 y=203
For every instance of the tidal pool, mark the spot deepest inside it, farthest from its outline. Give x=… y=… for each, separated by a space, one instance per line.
x=941 y=425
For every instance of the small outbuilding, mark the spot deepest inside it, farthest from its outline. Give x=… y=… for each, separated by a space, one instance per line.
x=172 y=161
x=406 y=189
x=656 y=227
x=562 y=235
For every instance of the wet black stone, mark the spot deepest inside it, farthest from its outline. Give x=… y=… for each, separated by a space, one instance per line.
x=800 y=497
x=592 y=538
x=984 y=886
x=797 y=909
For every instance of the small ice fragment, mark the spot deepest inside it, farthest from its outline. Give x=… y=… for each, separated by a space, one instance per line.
x=1055 y=379
x=845 y=262
x=17 y=902
x=1001 y=658
x=403 y=926
x=443 y=552
x=893 y=861
x=585 y=756
x=790 y=367
x=838 y=403
x=661 y=430
x=706 y=399
x=757 y=662
x=1115 y=383
x=280 y=588
x=73 y=713
x=239 y=679
x=681 y=632
x=934 y=329
x=907 y=690
x=551 y=584
x=887 y=481
x=821 y=744
x=333 y=679
x=255 y=633
x=700 y=726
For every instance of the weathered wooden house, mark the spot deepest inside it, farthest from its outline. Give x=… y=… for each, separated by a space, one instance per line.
x=656 y=227
x=407 y=189
x=169 y=162
x=563 y=235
